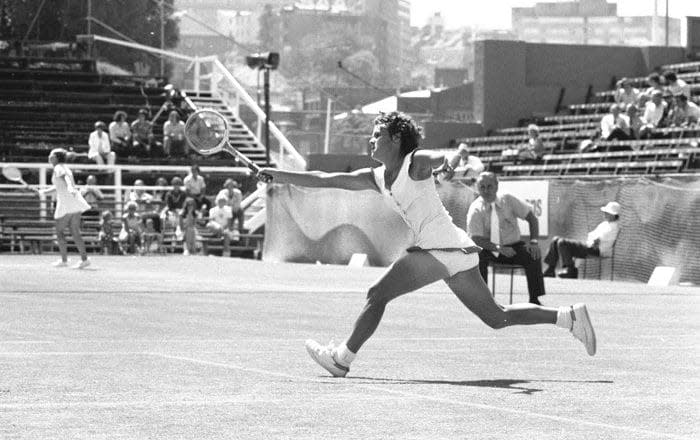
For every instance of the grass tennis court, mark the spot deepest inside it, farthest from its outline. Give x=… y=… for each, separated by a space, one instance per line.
x=176 y=347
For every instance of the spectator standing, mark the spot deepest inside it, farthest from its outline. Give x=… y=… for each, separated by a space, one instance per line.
x=221 y=222
x=492 y=222
x=675 y=85
x=100 y=148
x=142 y=132
x=233 y=197
x=174 y=142
x=195 y=187
x=685 y=113
x=120 y=133
x=626 y=94
x=599 y=243
x=654 y=113
x=188 y=225
x=92 y=194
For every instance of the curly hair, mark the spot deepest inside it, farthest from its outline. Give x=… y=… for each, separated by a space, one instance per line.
x=400 y=123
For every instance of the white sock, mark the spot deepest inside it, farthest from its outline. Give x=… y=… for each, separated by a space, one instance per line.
x=564 y=318
x=343 y=355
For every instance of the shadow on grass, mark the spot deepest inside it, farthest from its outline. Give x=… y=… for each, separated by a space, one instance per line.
x=508 y=384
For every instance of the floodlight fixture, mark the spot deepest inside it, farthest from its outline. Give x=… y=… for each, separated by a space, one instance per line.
x=263 y=60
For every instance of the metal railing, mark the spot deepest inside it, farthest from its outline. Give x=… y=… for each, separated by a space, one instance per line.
x=209 y=83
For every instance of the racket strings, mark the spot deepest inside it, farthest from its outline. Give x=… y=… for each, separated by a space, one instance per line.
x=206 y=131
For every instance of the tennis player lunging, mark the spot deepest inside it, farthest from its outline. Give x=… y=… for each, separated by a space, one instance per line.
x=441 y=251
x=69 y=205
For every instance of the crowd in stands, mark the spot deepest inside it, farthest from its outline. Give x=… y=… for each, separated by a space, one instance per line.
x=179 y=206
x=638 y=114
x=136 y=139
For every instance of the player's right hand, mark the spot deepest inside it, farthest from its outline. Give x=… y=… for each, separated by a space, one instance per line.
x=265 y=175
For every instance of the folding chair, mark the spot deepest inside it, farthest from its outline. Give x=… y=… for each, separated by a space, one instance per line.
x=511 y=267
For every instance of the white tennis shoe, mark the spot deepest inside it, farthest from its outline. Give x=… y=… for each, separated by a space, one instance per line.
x=325 y=356
x=60 y=263
x=82 y=264
x=581 y=327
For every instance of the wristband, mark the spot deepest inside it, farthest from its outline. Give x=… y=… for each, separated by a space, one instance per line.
x=533 y=242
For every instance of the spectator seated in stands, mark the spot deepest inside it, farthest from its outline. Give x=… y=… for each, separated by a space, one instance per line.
x=533 y=151
x=626 y=94
x=100 y=148
x=654 y=84
x=634 y=121
x=120 y=133
x=130 y=237
x=174 y=203
x=233 y=196
x=675 y=85
x=685 y=113
x=613 y=126
x=221 y=222
x=142 y=132
x=599 y=243
x=188 y=225
x=109 y=242
x=174 y=100
x=138 y=194
x=159 y=194
x=654 y=114
x=92 y=194
x=152 y=237
x=195 y=187
x=174 y=142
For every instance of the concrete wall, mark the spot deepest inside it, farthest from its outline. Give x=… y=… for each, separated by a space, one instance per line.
x=514 y=79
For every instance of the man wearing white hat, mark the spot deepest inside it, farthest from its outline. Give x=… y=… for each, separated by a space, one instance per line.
x=600 y=242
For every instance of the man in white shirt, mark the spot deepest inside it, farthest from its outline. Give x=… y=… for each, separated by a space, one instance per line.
x=654 y=112
x=613 y=125
x=100 y=148
x=599 y=243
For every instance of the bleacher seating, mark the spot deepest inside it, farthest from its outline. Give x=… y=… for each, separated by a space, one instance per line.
x=673 y=152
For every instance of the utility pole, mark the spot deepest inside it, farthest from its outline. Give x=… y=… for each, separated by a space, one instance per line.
x=666 y=23
x=89 y=17
x=162 y=36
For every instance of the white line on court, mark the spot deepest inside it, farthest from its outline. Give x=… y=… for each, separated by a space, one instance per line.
x=133 y=403
x=433 y=399
x=26 y=342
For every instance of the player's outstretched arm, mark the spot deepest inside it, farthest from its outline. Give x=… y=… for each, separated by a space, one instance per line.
x=355 y=181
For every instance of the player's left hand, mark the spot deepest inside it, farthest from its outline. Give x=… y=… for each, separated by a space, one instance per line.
x=534 y=250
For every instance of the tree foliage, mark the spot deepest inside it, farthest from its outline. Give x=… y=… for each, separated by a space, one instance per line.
x=62 y=20
x=315 y=57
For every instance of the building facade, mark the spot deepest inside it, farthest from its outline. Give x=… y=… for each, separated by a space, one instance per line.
x=593 y=22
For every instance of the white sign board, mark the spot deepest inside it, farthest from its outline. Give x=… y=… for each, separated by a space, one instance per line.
x=534 y=192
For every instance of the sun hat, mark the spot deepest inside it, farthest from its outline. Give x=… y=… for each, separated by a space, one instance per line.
x=612 y=208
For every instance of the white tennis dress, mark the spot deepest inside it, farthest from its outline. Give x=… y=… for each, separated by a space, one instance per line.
x=66 y=203
x=419 y=205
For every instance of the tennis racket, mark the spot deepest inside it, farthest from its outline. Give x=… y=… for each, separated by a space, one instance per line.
x=207 y=132
x=15 y=175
